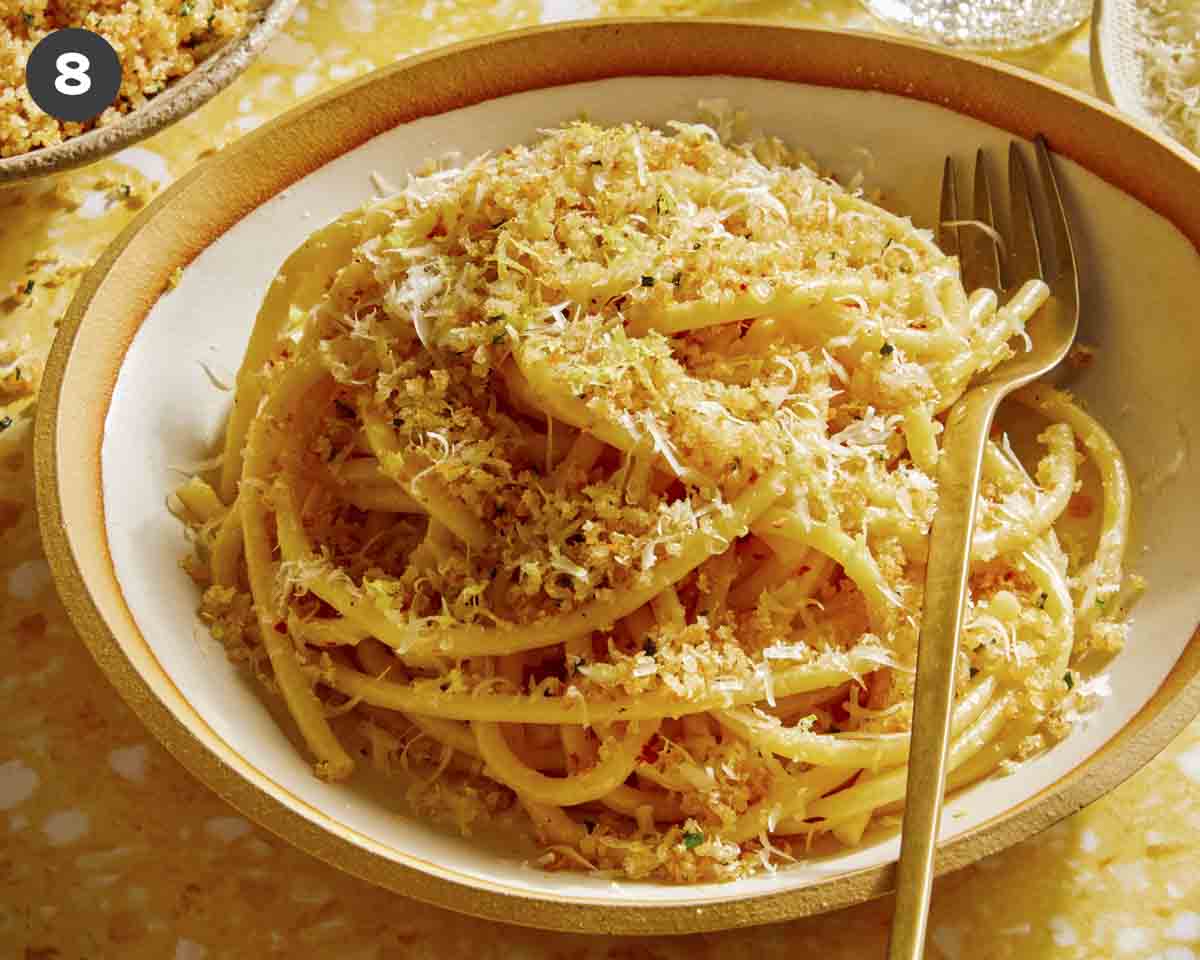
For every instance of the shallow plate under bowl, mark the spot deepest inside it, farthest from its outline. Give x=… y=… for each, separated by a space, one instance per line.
x=176 y=102
x=125 y=398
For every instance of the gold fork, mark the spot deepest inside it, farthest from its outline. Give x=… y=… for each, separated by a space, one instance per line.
x=1052 y=331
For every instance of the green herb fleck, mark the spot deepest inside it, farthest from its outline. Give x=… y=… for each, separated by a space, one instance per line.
x=28 y=287
x=397 y=422
x=1100 y=601
x=185 y=9
x=678 y=278
x=692 y=840
x=647 y=281
x=1069 y=680
x=27 y=17
x=5 y=423
x=886 y=350
x=1042 y=601
x=497 y=339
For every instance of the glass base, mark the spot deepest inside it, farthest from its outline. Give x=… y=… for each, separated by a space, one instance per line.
x=982 y=24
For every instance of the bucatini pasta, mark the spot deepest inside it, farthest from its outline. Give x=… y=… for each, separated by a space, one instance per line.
x=596 y=478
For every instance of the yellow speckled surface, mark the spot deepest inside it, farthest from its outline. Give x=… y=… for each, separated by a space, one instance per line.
x=109 y=849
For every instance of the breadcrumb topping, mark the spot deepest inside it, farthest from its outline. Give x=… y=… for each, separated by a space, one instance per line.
x=157 y=42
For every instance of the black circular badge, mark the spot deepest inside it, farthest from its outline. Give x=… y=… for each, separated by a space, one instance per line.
x=73 y=74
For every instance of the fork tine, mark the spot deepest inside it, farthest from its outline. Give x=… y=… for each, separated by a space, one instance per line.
x=980 y=255
x=1025 y=252
x=1064 y=249
x=948 y=236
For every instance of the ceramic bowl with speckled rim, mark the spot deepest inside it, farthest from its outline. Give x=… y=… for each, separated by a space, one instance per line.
x=125 y=398
x=177 y=101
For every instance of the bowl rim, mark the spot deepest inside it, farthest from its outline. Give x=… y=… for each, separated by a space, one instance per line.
x=189 y=93
x=217 y=193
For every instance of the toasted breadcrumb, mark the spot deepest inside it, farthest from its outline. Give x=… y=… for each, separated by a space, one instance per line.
x=157 y=42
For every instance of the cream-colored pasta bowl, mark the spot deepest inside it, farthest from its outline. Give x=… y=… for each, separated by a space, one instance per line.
x=126 y=399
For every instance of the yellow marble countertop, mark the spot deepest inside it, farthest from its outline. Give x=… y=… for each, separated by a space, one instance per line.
x=108 y=848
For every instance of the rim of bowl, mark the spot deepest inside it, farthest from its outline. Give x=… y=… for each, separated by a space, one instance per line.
x=204 y=203
x=188 y=94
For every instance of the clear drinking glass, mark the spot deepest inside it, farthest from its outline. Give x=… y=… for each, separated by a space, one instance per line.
x=982 y=24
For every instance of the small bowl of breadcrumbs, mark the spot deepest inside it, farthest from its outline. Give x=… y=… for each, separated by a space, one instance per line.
x=175 y=55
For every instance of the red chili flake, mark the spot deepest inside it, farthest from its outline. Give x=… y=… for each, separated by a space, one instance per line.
x=1081 y=356
x=281 y=626
x=1081 y=505
x=650 y=751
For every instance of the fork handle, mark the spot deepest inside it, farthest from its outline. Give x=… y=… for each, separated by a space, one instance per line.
x=946 y=574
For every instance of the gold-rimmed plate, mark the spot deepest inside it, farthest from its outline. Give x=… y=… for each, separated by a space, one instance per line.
x=126 y=399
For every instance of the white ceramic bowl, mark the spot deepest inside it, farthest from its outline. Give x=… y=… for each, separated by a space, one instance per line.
x=126 y=398
x=1117 y=38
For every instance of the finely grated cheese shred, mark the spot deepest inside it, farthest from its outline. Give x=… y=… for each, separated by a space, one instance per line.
x=586 y=487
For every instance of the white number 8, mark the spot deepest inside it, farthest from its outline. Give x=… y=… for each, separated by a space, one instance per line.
x=73 y=79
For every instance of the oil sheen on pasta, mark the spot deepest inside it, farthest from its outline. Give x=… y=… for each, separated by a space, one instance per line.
x=591 y=482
